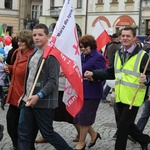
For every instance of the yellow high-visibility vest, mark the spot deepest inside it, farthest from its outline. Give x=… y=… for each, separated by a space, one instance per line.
x=127 y=80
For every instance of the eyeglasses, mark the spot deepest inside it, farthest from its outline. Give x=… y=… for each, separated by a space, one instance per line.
x=83 y=46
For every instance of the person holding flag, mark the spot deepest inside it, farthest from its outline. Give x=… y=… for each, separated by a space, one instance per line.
x=127 y=69
x=37 y=109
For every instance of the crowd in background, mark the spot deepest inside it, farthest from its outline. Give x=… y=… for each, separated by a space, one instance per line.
x=14 y=56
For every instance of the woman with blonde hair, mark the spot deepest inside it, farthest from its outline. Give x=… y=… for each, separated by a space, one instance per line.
x=17 y=71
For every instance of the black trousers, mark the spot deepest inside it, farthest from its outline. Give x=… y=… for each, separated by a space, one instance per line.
x=12 y=118
x=127 y=127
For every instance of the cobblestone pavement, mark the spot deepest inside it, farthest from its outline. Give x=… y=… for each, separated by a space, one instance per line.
x=105 y=125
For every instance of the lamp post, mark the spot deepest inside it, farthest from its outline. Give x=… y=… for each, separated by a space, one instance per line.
x=140 y=15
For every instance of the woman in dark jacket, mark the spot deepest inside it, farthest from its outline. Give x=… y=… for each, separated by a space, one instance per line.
x=91 y=60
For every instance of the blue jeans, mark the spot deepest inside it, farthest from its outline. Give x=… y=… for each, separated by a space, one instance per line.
x=144 y=116
x=32 y=119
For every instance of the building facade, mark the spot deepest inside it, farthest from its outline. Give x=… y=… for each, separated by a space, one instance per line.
x=113 y=14
x=16 y=15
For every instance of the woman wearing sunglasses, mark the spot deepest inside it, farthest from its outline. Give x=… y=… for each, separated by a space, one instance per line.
x=93 y=90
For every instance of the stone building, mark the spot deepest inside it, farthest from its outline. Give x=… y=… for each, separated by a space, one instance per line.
x=113 y=14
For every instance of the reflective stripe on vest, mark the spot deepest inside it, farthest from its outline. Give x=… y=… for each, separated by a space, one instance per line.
x=127 y=79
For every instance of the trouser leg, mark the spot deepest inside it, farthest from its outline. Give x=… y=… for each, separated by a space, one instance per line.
x=126 y=121
x=44 y=119
x=27 y=129
x=12 y=118
x=144 y=116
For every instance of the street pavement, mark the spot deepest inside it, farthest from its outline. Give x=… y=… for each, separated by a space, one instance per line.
x=104 y=124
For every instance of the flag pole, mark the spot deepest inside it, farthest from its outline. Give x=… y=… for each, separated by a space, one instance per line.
x=138 y=87
x=37 y=76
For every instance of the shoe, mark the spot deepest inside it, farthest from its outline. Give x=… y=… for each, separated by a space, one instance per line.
x=92 y=144
x=76 y=139
x=115 y=136
x=1 y=131
x=144 y=146
x=40 y=140
x=83 y=148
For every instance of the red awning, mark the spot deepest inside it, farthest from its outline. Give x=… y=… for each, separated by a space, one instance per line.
x=123 y=22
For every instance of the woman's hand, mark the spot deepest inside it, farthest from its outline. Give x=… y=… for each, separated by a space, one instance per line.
x=88 y=75
x=6 y=69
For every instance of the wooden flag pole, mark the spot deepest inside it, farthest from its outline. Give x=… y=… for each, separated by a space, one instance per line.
x=138 y=87
x=38 y=74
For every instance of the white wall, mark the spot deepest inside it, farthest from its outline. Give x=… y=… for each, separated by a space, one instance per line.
x=46 y=7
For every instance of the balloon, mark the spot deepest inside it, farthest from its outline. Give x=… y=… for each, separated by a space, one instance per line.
x=7 y=40
x=9 y=37
x=1 y=39
x=1 y=30
x=110 y=83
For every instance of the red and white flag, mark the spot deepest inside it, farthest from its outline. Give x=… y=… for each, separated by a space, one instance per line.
x=64 y=45
x=101 y=36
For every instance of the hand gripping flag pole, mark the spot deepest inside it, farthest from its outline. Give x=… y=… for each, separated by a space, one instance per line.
x=138 y=87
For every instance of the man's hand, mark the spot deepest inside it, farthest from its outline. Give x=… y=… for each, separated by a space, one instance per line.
x=142 y=78
x=32 y=100
x=88 y=75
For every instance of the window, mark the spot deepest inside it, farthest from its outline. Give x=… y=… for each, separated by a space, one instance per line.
x=36 y=11
x=52 y=4
x=8 y=4
x=114 y=1
x=51 y=28
x=41 y=10
x=79 y=3
x=129 y=1
x=100 y=1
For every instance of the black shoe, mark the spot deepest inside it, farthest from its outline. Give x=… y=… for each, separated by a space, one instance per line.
x=92 y=144
x=1 y=131
x=144 y=146
x=115 y=136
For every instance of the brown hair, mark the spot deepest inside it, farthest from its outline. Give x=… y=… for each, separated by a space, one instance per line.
x=88 y=40
x=127 y=28
x=26 y=36
x=42 y=26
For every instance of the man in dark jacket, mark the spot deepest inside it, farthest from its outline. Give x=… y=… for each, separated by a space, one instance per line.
x=128 y=64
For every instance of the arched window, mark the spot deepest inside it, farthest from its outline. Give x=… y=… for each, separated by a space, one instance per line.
x=79 y=32
x=52 y=26
x=8 y=4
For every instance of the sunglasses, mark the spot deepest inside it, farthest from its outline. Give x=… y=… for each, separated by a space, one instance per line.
x=83 y=46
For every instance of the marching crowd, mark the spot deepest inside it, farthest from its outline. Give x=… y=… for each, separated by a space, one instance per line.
x=35 y=110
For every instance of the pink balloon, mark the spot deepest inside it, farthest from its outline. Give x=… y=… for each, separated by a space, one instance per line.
x=7 y=40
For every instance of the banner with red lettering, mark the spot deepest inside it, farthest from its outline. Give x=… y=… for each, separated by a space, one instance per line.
x=64 y=45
